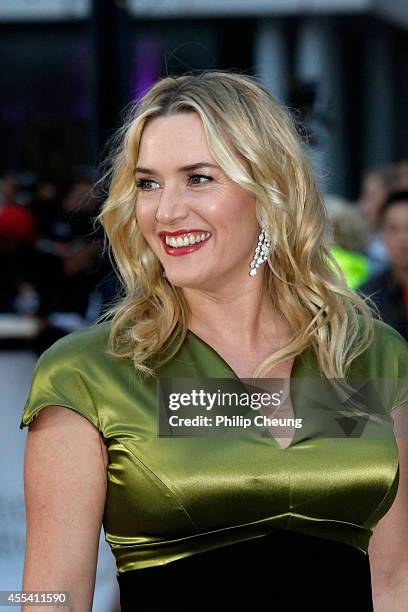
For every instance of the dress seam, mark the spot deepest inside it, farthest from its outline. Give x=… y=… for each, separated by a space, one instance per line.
x=150 y=471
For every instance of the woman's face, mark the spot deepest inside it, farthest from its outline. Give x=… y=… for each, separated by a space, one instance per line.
x=184 y=198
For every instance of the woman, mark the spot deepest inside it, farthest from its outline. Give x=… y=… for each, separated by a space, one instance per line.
x=219 y=235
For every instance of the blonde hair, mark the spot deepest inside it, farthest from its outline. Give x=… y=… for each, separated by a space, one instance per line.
x=255 y=142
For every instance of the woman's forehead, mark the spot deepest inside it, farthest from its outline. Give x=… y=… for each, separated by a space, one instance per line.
x=175 y=138
x=183 y=125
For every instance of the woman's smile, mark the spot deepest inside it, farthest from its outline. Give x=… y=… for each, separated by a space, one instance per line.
x=183 y=242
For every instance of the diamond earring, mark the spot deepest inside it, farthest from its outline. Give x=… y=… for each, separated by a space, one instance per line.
x=261 y=252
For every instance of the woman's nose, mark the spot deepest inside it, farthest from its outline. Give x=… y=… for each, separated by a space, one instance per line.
x=171 y=208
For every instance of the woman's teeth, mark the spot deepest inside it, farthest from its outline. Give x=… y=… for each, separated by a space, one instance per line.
x=185 y=240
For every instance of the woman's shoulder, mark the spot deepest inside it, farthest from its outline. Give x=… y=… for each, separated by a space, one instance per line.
x=387 y=345
x=386 y=338
x=88 y=343
x=385 y=363
x=69 y=373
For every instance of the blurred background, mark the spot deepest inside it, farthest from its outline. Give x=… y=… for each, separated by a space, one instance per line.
x=68 y=69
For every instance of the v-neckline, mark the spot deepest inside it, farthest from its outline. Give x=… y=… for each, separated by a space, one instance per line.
x=296 y=366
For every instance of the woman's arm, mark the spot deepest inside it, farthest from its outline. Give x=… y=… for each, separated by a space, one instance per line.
x=65 y=489
x=388 y=548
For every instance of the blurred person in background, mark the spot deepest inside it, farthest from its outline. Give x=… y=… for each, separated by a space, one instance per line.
x=75 y=300
x=9 y=188
x=349 y=236
x=376 y=187
x=17 y=239
x=390 y=288
x=51 y=257
x=72 y=251
x=46 y=208
x=16 y=222
x=403 y=175
x=83 y=265
x=81 y=258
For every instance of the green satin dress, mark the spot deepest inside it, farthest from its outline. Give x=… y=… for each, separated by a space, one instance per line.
x=171 y=498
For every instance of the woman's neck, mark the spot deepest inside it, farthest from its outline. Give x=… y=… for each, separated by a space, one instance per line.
x=244 y=316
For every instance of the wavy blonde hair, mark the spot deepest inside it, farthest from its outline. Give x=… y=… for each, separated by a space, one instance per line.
x=257 y=145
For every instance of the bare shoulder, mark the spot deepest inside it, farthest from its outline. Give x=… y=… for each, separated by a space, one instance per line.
x=63 y=430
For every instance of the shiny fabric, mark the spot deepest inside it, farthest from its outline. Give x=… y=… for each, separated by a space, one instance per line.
x=171 y=498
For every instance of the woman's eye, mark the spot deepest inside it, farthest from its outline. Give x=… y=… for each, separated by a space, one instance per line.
x=146 y=184
x=195 y=179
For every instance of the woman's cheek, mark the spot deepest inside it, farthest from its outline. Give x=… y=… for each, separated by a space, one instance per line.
x=145 y=217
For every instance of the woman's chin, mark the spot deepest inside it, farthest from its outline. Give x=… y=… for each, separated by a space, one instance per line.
x=189 y=280
x=183 y=280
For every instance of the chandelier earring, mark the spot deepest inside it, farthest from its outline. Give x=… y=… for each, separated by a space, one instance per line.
x=262 y=252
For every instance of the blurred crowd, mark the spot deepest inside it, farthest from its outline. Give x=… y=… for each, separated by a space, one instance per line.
x=370 y=241
x=53 y=267
x=54 y=270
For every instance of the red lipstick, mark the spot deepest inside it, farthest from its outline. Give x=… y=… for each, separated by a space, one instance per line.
x=183 y=250
x=183 y=231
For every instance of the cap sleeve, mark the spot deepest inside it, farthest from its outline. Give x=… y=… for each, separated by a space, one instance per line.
x=401 y=389
x=58 y=380
x=395 y=354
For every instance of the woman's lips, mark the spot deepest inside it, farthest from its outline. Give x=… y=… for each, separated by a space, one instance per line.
x=184 y=250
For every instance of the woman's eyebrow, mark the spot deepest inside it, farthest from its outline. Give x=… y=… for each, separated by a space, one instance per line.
x=187 y=168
